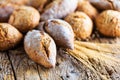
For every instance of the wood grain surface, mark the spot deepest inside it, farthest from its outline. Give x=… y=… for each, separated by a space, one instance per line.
x=15 y=65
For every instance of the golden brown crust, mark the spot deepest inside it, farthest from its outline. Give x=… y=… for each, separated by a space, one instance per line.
x=9 y=36
x=25 y=18
x=108 y=23
x=82 y=25
x=41 y=48
x=61 y=32
x=87 y=8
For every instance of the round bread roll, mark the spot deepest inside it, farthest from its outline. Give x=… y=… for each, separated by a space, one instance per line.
x=25 y=18
x=108 y=23
x=82 y=25
x=9 y=36
x=41 y=48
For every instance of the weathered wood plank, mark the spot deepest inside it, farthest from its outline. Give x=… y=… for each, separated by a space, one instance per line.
x=68 y=68
x=64 y=70
x=24 y=68
x=6 y=72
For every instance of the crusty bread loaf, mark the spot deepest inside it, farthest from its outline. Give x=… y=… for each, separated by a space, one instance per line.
x=41 y=48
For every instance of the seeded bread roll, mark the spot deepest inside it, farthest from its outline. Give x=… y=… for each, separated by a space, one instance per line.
x=41 y=48
x=9 y=36
x=82 y=25
x=25 y=18
x=108 y=23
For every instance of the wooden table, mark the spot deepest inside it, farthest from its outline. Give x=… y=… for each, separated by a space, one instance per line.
x=15 y=65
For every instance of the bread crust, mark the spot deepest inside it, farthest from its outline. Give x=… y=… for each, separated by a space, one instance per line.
x=108 y=23
x=25 y=18
x=82 y=25
x=41 y=48
x=9 y=36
